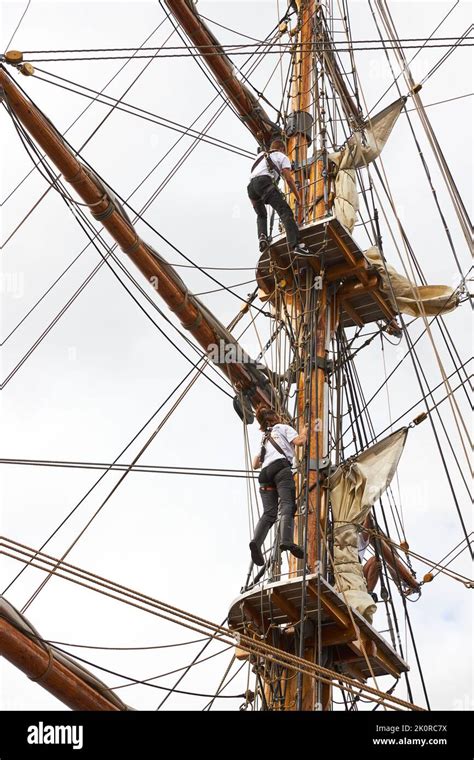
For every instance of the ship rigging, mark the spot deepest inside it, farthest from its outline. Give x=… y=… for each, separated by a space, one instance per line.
x=306 y=632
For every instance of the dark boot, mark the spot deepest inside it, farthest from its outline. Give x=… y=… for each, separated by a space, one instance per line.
x=259 y=537
x=286 y=537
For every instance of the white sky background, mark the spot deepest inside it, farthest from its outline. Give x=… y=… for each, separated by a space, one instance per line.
x=104 y=367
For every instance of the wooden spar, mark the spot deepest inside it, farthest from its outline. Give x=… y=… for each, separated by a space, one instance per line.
x=54 y=676
x=398 y=570
x=246 y=104
x=194 y=316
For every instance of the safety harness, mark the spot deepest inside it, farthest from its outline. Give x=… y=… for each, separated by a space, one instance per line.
x=268 y=437
x=271 y=166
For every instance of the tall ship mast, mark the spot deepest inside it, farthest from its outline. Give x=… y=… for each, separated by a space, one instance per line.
x=331 y=630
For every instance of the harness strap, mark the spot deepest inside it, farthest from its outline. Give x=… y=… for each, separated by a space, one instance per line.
x=270 y=164
x=268 y=437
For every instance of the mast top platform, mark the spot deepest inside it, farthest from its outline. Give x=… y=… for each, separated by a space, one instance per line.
x=335 y=252
x=353 y=642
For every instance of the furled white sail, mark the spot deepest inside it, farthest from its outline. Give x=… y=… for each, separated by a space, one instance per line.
x=354 y=488
x=409 y=298
x=346 y=200
x=359 y=150
x=365 y=145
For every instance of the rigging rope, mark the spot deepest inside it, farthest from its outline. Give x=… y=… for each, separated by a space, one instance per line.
x=458 y=204
x=90 y=104
x=18 y=25
x=154 y=305
x=191 y=621
x=422 y=158
x=239 y=50
x=456 y=3
x=142 y=113
x=158 y=469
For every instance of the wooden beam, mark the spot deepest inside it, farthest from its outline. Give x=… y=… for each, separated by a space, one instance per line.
x=352 y=288
x=386 y=663
x=352 y=312
x=355 y=671
x=333 y=634
x=326 y=696
x=244 y=101
x=285 y=606
x=335 y=612
x=343 y=271
x=256 y=618
x=346 y=654
x=361 y=274
x=51 y=674
x=385 y=307
x=355 y=651
x=363 y=647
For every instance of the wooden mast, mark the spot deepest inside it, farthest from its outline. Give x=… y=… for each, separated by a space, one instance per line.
x=308 y=97
x=303 y=693
x=311 y=382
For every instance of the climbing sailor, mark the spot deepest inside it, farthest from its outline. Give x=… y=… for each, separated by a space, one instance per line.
x=276 y=481
x=262 y=189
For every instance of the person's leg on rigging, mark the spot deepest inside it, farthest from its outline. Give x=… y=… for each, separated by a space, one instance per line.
x=287 y=493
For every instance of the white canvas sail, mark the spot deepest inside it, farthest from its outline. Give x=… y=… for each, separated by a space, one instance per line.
x=354 y=488
x=363 y=146
x=359 y=150
x=409 y=298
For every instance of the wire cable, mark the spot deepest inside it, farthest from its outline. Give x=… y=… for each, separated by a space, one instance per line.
x=18 y=25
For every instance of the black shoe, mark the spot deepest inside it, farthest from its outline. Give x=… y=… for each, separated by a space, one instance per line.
x=257 y=555
x=296 y=550
x=375 y=598
x=263 y=243
x=301 y=250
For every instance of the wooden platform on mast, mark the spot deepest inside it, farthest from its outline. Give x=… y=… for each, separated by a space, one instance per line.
x=359 y=292
x=279 y=604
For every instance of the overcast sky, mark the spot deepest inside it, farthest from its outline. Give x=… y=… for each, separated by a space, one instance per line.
x=104 y=368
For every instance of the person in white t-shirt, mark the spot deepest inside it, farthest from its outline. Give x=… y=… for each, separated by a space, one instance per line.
x=276 y=482
x=262 y=190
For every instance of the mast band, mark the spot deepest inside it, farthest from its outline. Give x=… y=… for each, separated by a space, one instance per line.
x=133 y=247
x=104 y=214
x=46 y=672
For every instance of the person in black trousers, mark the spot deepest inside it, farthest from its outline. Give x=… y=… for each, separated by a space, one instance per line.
x=276 y=482
x=262 y=190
